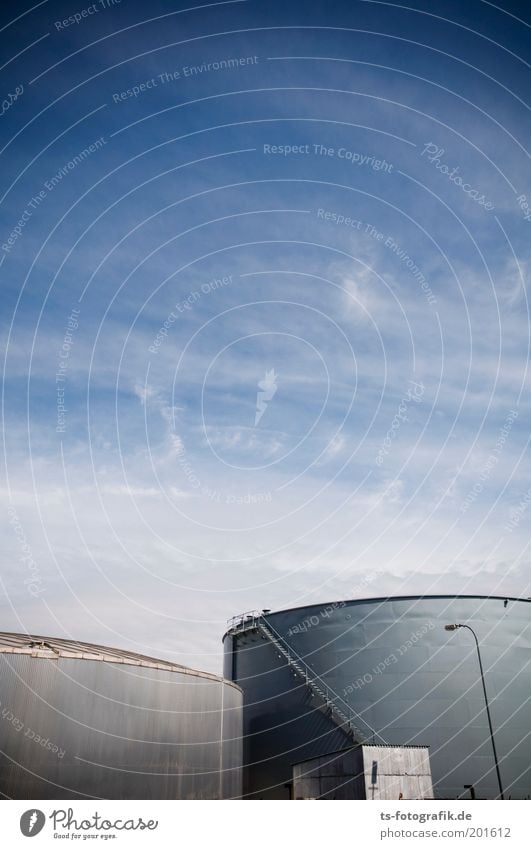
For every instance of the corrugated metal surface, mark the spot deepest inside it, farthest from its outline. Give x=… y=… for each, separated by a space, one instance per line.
x=338 y=775
x=79 y=728
x=38 y=646
x=422 y=690
x=394 y=772
x=365 y=772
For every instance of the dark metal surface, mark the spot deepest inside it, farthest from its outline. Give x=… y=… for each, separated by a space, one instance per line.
x=410 y=680
x=128 y=727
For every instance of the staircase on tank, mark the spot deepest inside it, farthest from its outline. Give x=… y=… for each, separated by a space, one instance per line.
x=329 y=701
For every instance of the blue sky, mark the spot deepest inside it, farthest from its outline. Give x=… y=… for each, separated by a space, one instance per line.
x=322 y=203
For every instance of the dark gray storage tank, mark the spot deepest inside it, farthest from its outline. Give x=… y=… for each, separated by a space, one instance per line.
x=86 y=721
x=385 y=671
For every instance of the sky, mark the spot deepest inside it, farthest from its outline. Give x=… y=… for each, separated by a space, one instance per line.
x=265 y=324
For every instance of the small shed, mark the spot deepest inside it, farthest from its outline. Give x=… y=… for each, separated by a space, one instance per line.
x=366 y=772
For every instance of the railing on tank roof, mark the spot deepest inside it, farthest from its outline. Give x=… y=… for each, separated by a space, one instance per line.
x=246 y=620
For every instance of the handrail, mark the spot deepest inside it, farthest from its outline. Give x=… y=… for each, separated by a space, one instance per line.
x=248 y=619
x=316 y=677
x=252 y=619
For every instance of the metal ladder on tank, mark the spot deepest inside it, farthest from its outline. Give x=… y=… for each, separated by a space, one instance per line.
x=331 y=702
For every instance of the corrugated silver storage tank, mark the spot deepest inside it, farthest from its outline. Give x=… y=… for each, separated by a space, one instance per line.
x=85 y=721
x=385 y=671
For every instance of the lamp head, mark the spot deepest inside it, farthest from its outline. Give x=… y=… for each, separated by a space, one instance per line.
x=451 y=627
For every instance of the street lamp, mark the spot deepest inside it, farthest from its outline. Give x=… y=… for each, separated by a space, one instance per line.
x=454 y=628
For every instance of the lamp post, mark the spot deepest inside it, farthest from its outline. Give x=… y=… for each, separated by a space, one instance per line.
x=454 y=628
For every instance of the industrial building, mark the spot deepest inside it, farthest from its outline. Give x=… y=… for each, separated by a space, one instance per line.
x=82 y=721
x=366 y=772
x=377 y=698
x=386 y=672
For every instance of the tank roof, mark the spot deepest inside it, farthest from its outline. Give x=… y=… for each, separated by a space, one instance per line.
x=377 y=600
x=53 y=647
